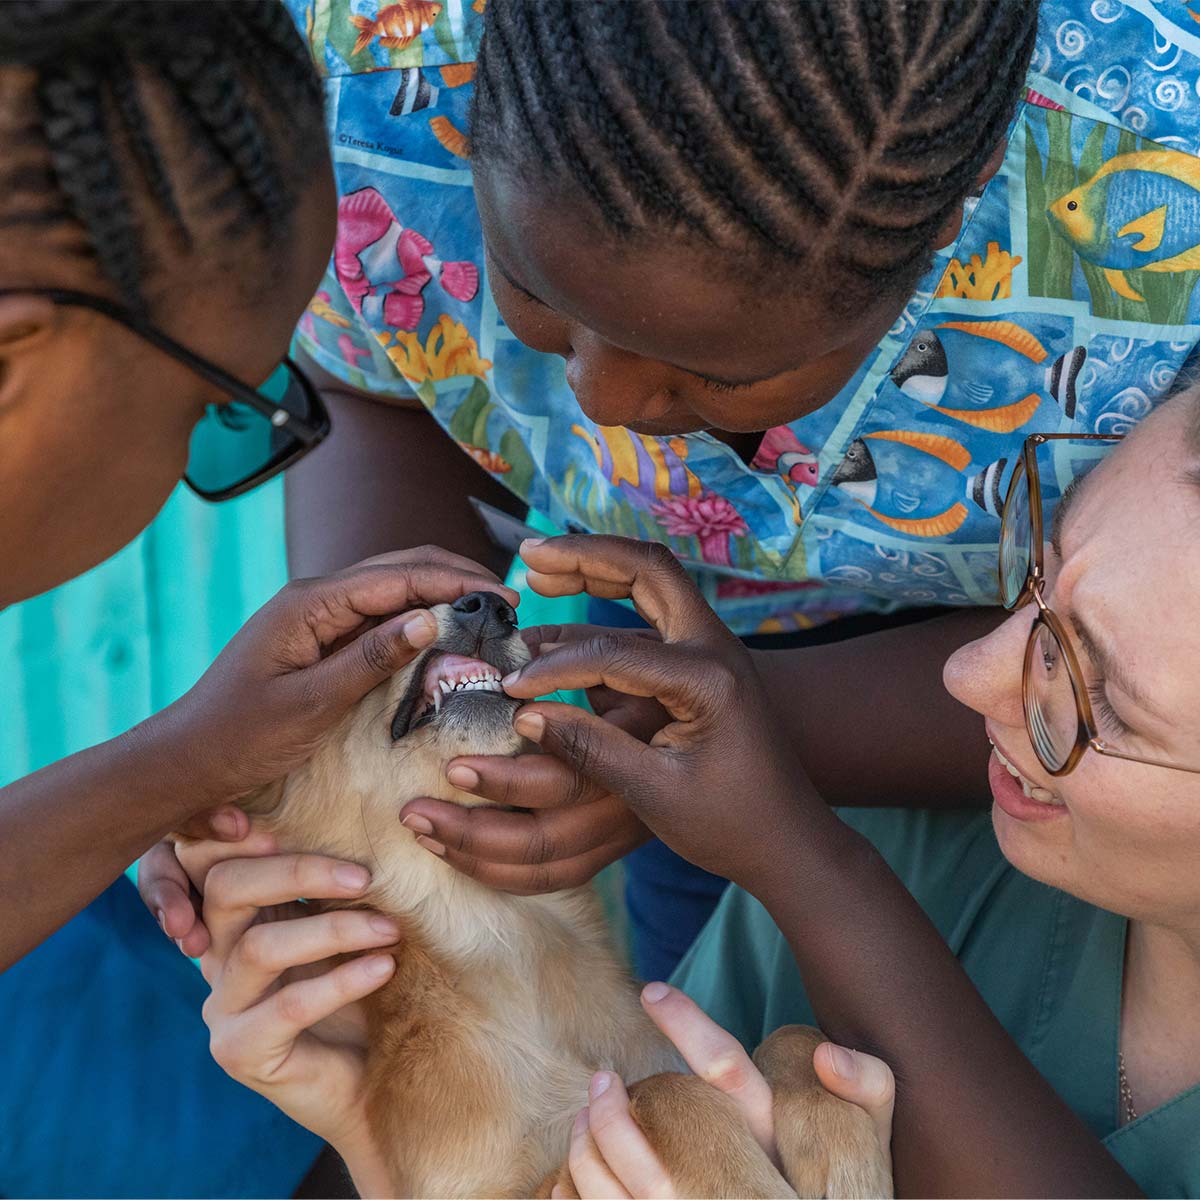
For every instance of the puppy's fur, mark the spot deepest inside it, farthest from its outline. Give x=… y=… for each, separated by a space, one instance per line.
x=501 y=1007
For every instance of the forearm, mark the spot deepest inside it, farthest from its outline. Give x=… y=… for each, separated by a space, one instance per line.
x=70 y=829
x=873 y=723
x=973 y=1116
x=388 y=477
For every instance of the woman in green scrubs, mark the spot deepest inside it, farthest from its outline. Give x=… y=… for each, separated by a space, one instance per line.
x=1074 y=906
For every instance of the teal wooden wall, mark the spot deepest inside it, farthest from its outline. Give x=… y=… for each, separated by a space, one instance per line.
x=88 y=660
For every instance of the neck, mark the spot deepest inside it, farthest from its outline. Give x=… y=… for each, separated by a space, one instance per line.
x=1160 y=1037
x=1164 y=962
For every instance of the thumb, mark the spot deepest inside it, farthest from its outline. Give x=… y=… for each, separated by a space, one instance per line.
x=860 y=1079
x=597 y=749
x=347 y=676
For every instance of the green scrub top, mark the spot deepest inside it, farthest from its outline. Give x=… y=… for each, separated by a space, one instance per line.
x=1048 y=965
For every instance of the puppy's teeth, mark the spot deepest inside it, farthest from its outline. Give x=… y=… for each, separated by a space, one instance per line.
x=444 y=685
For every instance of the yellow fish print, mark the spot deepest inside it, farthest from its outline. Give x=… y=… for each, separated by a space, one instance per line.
x=1139 y=212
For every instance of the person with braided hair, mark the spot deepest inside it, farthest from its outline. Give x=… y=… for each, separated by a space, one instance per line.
x=782 y=284
x=166 y=209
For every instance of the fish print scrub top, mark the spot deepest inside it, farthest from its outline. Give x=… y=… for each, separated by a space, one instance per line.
x=1068 y=302
x=1048 y=965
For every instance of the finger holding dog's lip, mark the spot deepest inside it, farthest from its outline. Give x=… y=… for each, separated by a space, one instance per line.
x=615 y=568
x=659 y=671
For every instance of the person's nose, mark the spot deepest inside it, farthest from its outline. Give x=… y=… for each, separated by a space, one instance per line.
x=615 y=387
x=986 y=674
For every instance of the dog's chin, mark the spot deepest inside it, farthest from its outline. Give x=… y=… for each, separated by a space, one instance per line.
x=471 y=723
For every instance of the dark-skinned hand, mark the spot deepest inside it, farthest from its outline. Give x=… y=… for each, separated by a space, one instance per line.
x=715 y=783
x=570 y=827
x=287 y=678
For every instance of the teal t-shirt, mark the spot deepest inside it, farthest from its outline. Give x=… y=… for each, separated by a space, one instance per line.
x=1048 y=965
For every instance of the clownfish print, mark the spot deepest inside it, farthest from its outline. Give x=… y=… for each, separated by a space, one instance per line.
x=781 y=451
x=923 y=373
x=1139 y=212
x=909 y=473
x=384 y=268
x=396 y=26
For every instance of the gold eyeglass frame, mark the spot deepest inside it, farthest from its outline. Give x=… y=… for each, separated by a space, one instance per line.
x=1086 y=735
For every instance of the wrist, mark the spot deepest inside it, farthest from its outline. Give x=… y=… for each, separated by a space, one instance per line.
x=163 y=749
x=366 y=1166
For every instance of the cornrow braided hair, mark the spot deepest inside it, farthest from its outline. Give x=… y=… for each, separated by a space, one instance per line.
x=232 y=73
x=840 y=133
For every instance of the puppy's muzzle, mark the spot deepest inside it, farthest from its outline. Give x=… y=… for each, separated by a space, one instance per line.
x=478 y=644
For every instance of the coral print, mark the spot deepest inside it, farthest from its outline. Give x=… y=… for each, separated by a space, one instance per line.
x=987 y=278
x=1138 y=212
x=448 y=351
x=397 y=25
x=384 y=267
x=709 y=518
x=489 y=460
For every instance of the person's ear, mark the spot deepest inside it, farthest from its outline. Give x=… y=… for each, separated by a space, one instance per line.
x=25 y=321
x=953 y=223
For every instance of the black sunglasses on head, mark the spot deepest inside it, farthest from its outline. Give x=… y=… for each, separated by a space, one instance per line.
x=253 y=436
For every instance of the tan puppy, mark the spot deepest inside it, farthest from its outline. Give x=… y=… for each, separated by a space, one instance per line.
x=501 y=1007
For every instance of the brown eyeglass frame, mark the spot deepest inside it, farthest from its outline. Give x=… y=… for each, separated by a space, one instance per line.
x=1086 y=735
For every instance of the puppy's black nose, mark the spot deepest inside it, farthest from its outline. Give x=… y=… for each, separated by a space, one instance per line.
x=486 y=615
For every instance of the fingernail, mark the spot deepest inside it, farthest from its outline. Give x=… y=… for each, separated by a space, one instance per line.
x=384 y=926
x=417 y=823
x=600 y=1084
x=354 y=879
x=581 y=1122
x=510 y=679
x=556 y=1192
x=162 y=919
x=844 y=1062
x=462 y=777
x=179 y=946
x=224 y=823
x=432 y=846
x=652 y=993
x=544 y=646
x=530 y=725
x=529 y=542
x=419 y=630
x=378 y=965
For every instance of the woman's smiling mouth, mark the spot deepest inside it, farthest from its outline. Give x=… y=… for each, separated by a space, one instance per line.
x=1018 y=796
